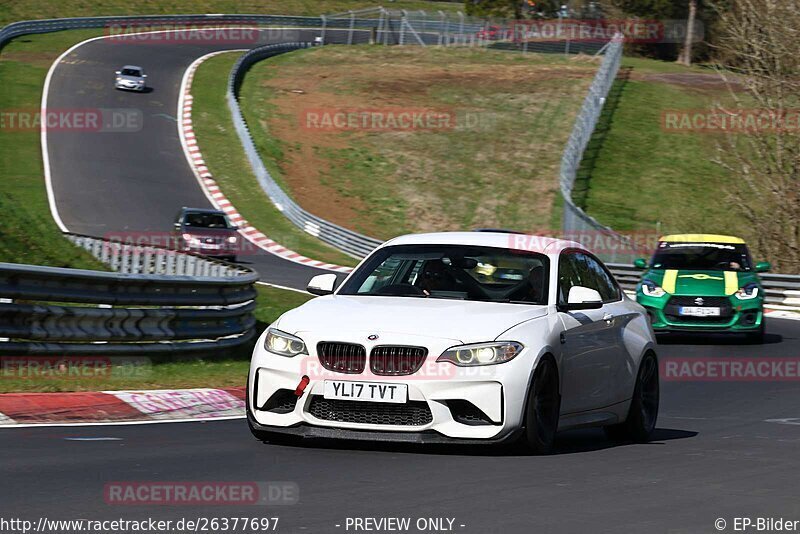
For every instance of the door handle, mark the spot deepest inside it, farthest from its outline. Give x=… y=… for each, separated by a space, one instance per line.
x=608 y=318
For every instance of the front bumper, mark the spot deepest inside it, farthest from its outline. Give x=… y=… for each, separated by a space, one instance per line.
x=127 y=87
x=445 y=402
x=744 y=316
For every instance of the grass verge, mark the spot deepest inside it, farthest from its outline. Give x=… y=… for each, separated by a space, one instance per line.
x=227 y=162
x=641 y=176
x=494 y=163
x=28 y=233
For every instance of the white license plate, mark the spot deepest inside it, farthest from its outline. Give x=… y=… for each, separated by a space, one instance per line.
x=365 y=391
x=699 y=311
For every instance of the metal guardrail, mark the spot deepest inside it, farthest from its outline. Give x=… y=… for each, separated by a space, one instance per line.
x=129 y=258
x=159 y=301
x=47 y=310
x=781 y=289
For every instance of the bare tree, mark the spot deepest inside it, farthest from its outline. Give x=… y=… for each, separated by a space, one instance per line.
x=759 y=50
x=685 y=55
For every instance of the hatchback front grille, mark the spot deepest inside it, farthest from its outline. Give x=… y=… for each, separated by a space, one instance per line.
x=388 y=360
x=342 y=357
x=412 y=413
x=674 y=303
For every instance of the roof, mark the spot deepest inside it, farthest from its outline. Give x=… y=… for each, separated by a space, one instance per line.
x=132 y=67
x=521 y=242
x=701 y=238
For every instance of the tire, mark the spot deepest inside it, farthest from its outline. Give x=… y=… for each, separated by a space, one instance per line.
x=643 y=412
x=542 y=409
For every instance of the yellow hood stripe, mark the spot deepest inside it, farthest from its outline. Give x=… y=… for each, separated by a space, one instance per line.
x=731 y=282
x=670 y=278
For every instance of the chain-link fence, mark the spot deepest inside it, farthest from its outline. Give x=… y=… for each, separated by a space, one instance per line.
x=574 y=220
x=401 y=27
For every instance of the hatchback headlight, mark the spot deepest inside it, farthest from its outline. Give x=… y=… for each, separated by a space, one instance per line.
x=481 y=353
x=650 y=289
x=749 y=291
x=284 y=344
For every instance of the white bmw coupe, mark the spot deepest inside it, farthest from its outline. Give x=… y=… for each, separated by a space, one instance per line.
x=468 y=337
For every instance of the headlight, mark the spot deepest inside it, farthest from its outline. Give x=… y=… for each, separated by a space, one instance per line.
x=650 y=289
x=481 y=353
x=750 y=291
x=189 y=238
x=284 y=344
x=232 y=239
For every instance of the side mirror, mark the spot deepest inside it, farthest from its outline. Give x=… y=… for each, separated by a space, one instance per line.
x=640 y=263
x=144 y=75
x=582 y=298
x=322 y=284
x=117 y=72
x=177 y=226
x=763 y=266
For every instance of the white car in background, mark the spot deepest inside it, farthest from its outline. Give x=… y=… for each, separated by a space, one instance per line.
x=130 y=78
x=471 y=336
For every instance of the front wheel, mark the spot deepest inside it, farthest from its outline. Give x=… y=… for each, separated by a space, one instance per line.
x=643 y=411
x=542 y=409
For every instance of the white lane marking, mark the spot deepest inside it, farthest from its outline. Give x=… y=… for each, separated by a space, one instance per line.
x=785 y=421
x=92 y=439
x=120 y=423
x=6 y=420
x=283 y=287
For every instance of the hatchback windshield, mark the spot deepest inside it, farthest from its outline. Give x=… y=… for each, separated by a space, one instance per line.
x=206 y=220
x=453 y=272
x=701 y=256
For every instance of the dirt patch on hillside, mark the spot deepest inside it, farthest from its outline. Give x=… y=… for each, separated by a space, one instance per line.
x=317 y=162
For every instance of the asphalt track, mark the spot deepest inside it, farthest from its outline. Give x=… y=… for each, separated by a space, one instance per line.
x=137 y=181
x=716 y=453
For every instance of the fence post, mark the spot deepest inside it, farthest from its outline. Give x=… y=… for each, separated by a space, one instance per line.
x=403 y=20
x=444 y=28
x=381 y=26
x=324 y=25
x=352 y=26
x=461 y=24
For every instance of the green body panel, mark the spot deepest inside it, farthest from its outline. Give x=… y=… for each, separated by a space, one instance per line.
x=747 y=315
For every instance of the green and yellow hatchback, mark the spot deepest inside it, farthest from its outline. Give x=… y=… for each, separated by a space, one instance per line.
x=703 y=282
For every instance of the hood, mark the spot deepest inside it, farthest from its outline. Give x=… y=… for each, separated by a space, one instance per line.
x=464 y=321
x=136 y=79
x=704 y=283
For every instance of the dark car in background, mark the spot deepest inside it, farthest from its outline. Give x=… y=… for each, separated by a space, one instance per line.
x=208 y=232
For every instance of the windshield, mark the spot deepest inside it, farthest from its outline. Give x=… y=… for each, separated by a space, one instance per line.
x=453 y=272
x=701 y=257
x=131 y=72
x=206 y=220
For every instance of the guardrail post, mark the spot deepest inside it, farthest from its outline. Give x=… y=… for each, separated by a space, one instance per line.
x=402 y=39
x=461 y=24
x=442 y=30
x=324 y=25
